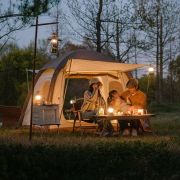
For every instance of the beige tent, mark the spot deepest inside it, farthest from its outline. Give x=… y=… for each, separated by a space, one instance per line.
x=50 y=80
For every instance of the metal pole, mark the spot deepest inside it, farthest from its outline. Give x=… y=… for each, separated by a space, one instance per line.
x=27 y=79
x=33 y=79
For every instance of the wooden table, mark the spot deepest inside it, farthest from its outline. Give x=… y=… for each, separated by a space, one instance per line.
x=143 y=119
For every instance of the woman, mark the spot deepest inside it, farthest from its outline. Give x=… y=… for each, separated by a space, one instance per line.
x=93 y=101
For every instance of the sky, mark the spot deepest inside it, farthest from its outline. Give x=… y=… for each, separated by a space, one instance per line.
x=25 y=36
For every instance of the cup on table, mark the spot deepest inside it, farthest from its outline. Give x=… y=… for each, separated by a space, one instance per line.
x=140 y=111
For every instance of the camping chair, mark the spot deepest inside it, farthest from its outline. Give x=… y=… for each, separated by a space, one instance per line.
x=83 y=123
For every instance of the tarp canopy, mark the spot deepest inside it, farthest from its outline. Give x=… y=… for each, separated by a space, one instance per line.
x=79 y=66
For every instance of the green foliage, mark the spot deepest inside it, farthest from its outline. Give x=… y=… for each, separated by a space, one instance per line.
x=66 y=155
x=33 y=8
x=165 y=107
x=147 y=85
x=13 y=66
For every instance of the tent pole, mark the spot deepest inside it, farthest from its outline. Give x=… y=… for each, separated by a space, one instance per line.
x=65 y=89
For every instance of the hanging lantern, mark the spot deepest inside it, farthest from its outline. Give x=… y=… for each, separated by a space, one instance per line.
x=54 y=43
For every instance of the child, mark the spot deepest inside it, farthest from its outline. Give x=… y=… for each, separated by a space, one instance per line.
x=117 y=103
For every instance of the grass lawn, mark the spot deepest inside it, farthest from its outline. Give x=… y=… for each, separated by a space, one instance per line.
x=73 y=156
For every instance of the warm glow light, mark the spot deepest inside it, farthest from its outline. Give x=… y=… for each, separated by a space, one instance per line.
x=140 y=111
x=101 y=111
x=54 y=41
x=72 y=101
x=110 y=110
x=151 y=69
x=38 y=97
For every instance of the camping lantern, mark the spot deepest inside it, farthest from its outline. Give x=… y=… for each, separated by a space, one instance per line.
x=140 y=111
x=101 y=111
x=72 y=101
x=110 y=110
x=38 y=98
x=54 y=43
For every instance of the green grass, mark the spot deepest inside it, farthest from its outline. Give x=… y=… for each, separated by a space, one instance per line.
x=164 y=108
x=73 y=156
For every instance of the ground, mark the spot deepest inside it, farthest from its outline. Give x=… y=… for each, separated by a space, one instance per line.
x=74 y=156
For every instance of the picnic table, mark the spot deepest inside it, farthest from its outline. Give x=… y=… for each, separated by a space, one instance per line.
x=144 y=119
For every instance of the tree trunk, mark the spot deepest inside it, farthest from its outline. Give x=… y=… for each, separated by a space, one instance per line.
x=171 y=75
x=117 y=41
x=98 y=26
x=157 y=55
x=161 y=60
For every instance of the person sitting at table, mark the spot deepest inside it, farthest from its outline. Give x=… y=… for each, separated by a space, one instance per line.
x=117 y=103
x=93 y=101
x=136 y=99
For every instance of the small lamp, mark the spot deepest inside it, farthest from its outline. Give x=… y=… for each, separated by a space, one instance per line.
x=54 y=43
x=38 y=98
x=110 y=110
x=72 y=101
x=151 y=70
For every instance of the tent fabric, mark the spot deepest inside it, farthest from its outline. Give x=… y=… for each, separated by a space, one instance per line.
x=81 y=62
x=87 y=66
x=78 y=54
x=86 y=59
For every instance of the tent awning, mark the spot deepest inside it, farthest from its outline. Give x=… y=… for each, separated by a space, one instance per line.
x=79 y=66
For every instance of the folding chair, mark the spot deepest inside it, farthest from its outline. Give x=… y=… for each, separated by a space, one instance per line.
x=83 y=123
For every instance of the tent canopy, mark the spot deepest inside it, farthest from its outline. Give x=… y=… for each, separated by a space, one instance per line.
x=50 y=80
x=79 y=66
x=85 y=61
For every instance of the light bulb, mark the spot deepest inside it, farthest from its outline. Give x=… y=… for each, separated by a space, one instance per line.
x=151 y=69
x=54 y=41
x=72 y=101
x=110 y=110
x=38 y=97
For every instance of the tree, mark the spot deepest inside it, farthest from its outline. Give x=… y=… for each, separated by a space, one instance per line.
x=8 y=24
x=147 y=85
x=173 y=80
x=108 y=26
x=19 y=14
x=160 y=22
x=89 y=17
x=13 y=74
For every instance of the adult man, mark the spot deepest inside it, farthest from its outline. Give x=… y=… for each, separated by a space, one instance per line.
x=137 y=99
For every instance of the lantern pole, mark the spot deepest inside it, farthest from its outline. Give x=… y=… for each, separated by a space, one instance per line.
x=34 y=69
x=33 y=78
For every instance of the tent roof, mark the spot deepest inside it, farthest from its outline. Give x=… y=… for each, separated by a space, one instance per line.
x=87 y=66
x=78 y=54
x=90 y=62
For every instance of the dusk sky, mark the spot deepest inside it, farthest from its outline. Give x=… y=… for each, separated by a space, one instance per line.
x=26 y=35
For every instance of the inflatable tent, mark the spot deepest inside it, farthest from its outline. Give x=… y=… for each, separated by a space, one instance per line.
x=50 y=80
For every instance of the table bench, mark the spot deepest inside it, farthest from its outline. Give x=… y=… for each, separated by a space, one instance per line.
x=140 y=118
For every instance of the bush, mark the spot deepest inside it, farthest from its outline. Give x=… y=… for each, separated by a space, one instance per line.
x=105 y=160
